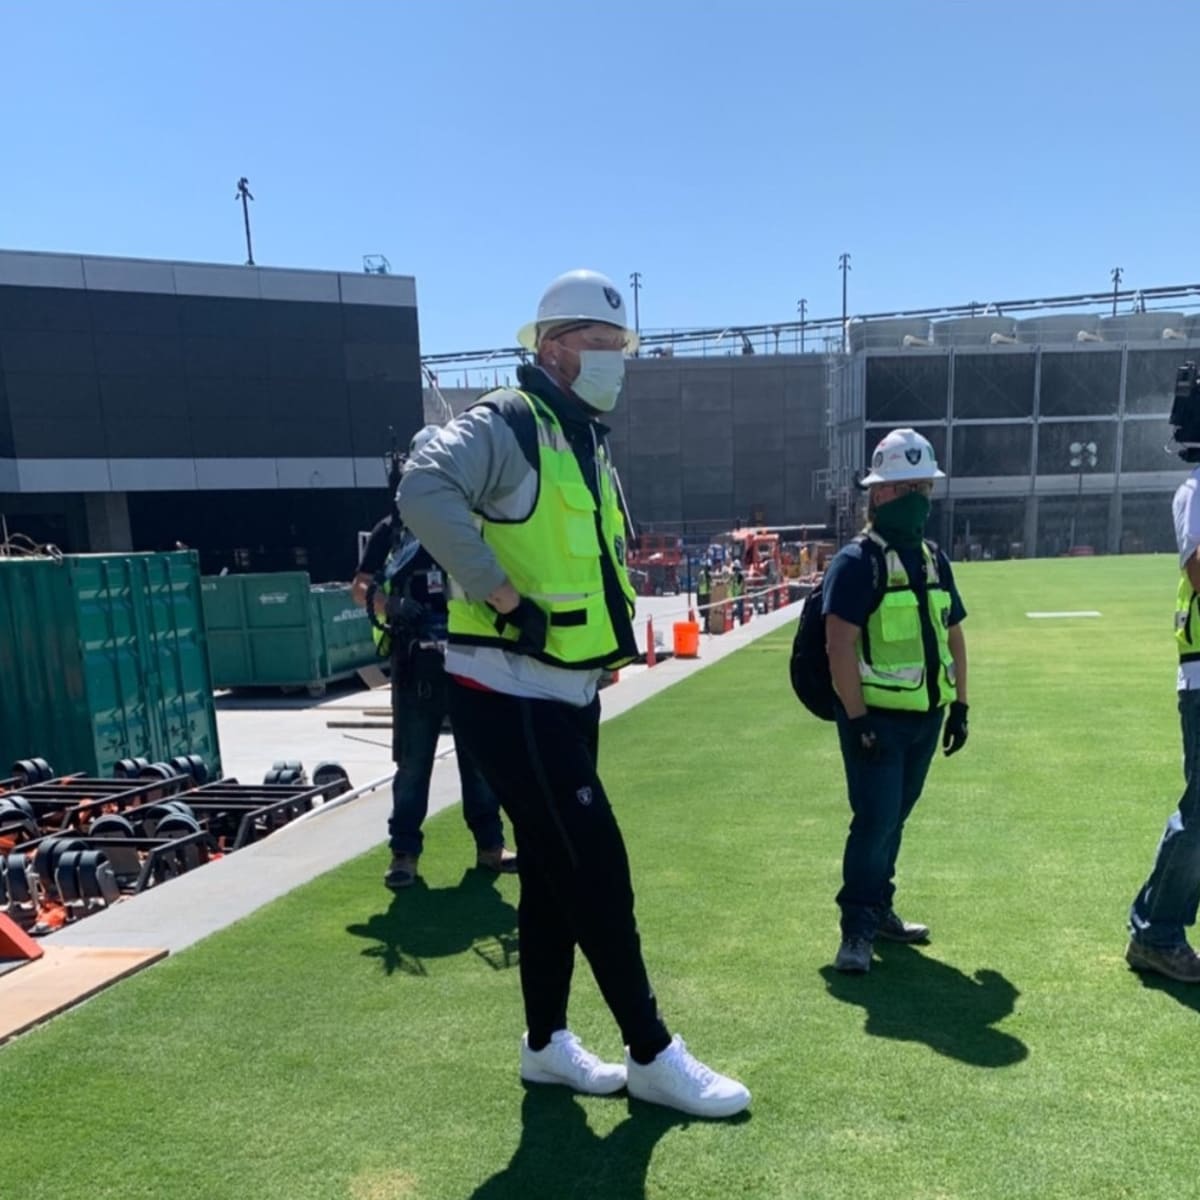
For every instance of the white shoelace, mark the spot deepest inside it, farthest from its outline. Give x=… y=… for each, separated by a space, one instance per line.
x=692 y=1067
x=579 y=1056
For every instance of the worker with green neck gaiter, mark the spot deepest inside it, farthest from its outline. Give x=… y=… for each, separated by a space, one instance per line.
x=899 y=667
x=901 y=522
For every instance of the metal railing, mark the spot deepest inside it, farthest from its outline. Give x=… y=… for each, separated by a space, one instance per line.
x=823 y=335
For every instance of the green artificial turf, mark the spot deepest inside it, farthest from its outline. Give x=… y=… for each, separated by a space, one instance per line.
x=342 y=1043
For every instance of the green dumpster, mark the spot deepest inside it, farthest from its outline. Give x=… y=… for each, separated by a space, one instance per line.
x=279 y=630
x=103 y=657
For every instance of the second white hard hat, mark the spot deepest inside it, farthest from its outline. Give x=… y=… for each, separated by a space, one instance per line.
x=902 y=455
x=579 y=296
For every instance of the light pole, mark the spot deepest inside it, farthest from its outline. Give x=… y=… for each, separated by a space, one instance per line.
x=243 y=194
x=1083 y=454
x=844 y=266
x=802 y=309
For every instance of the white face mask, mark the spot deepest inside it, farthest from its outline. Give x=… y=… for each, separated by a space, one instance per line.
x=601 y=373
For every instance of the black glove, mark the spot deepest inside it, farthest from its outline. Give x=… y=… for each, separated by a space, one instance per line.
x=865 y=739
x=403 y=611
x=954 y=735
x=531 y=623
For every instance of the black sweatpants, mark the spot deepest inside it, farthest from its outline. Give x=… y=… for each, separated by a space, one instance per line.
x=539 y=756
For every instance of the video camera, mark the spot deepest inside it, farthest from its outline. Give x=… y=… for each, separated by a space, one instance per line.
x=1185 y=412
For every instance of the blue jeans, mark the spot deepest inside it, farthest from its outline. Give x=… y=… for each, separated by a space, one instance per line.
x=882 y=794
x=420 y=699
x=1166 y=905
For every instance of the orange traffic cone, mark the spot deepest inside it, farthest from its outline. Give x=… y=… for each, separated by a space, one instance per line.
x=651 y=658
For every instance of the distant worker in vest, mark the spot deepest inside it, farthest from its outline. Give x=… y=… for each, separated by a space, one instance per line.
x=893 y=628
x=1165 y=908
x=737 y=592
x=520 y=502
x=704 y=593
x=408 y=591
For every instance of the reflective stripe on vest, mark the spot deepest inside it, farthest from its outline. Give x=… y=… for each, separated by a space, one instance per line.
x=891 y=649
x=553 y=557
x=1187 y=620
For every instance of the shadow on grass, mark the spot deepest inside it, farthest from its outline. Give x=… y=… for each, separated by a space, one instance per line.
x=1188 y=994
x=916 y=999
x=559 y=1155
x=423 y=923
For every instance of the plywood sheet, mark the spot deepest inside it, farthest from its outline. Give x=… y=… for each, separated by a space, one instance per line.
x=64 y=976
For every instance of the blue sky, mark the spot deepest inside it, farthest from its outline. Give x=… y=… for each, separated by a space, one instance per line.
x=728 y=152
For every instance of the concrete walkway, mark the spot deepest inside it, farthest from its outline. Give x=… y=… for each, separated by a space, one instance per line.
x=201 y=902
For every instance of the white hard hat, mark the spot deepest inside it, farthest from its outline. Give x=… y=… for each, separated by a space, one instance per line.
x=903 y=454
x=422 y=437
x=579 y=296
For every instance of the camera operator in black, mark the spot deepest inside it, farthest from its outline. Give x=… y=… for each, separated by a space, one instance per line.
x=407 y=591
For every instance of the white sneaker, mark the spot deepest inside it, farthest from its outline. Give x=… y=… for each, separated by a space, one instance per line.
x=565 y=1061
x=680 y=1081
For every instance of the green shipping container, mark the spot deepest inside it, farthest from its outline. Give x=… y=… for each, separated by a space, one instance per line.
x=279 y=630
x=104 y=657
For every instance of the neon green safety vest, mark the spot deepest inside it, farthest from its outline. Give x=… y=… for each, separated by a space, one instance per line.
x=553 y=558
x=381 y=637
x=1187 y=630
x=891 y=648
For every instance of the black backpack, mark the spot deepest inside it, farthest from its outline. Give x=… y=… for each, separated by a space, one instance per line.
x=809 y=666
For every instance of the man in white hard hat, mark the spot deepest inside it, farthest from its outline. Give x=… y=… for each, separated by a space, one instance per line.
x=518 y=499
x=899 y=661
x=407 y=592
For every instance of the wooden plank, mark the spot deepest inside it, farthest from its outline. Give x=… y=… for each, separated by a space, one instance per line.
x=373 y=677
x=61 y=978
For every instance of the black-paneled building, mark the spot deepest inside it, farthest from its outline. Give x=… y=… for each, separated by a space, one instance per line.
x=1052 y=430
x=242 y=411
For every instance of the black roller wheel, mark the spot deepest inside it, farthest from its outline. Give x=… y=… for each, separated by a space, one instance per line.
x=112 y=825
x=198 y=769
x=177 y=825
x=33 y=770
x=16 y=820
x=66 y=876
x=64 y=846
x=332 y=777
x=16 y=878
x=23 y=806
x=96 y=878
x=44 y=859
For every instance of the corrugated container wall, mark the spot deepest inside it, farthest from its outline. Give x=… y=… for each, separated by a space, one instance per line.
x=104 y=657
x=277 y=630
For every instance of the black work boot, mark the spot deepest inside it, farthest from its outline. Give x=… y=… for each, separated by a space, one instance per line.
x=402 y=873
x=893 y=928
